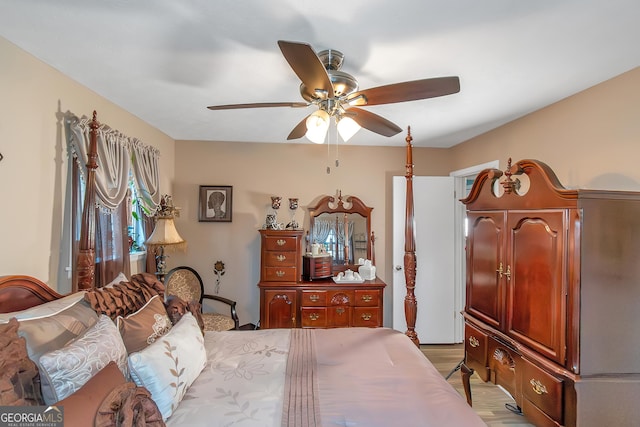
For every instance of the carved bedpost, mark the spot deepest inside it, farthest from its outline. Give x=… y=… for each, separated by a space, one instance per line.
x=410 y=302
x=86 y=254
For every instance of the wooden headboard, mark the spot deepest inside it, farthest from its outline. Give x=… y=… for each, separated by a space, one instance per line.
x=20 y=292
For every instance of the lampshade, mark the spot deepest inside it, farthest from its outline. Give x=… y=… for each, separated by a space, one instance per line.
x=317 y=126
x=165 y=233
x=347 y=127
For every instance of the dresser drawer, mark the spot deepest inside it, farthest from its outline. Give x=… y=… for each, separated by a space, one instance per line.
x=280 y=274
x=366 y=316
x=340 y=298
x=503 y=363
x=475 y=344
x=313 y=317
x=279 y=258
x=536 y=416
x=543 y=390
x=314 y=298
x=367 y=298
x=338 y=316
x=280 y=243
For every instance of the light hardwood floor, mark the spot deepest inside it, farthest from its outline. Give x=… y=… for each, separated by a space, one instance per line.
x=488 y=400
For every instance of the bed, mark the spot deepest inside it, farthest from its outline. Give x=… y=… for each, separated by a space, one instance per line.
x=275 y=377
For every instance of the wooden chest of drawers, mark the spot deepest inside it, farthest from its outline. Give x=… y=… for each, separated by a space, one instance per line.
x=317 y=267
x=280 y=260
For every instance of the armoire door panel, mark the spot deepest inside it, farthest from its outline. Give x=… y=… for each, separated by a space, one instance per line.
x=484 y=260
x=536 y=285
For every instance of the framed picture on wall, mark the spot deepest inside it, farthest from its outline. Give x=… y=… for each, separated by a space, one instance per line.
x=215 y=203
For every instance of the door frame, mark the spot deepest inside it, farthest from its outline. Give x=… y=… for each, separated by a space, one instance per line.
x=460 y=191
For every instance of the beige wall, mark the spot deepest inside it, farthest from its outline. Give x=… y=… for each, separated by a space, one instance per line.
x=259 y=171
x=33 y=174
x=591 y=140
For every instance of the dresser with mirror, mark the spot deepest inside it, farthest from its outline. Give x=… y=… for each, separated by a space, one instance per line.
x=297 y=286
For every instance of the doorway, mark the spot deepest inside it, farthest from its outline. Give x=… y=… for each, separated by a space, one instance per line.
x=440 y=224
x=463 y=181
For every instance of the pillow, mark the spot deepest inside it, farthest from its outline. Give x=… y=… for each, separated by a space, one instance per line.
x=170 y=365
x=150 y=280
x=46 y=309
x=52 y=332
x=177 y=307
x=121 y=277
x=19 y=376
x=65 y=370
x=81 y=407
x=143 y=327
x=128 y=405
x=120 y=299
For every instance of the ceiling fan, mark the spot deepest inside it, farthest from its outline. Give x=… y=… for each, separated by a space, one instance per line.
x=335 y=93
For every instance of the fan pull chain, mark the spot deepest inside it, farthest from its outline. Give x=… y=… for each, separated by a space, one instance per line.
x=337 y=139
x=328 y=158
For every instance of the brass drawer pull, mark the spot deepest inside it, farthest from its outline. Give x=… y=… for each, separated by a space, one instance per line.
x=499 y=271
x=508 y=272
x=314 y=316
x=281 y=242
x=340 y=310
x=314 y=297
x=473 y=341
x=367 y=298
x=538 y=387
x=366 y=316
x=280 y=273
x=281 y=257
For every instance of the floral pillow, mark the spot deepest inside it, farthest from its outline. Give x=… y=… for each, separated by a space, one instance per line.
x=65 y=370
x=168 y=367
x=145 y=326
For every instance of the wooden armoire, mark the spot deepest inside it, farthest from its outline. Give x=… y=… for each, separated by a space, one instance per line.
x=552 y=289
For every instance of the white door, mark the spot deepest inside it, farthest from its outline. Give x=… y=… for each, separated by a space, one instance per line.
x=434 y=218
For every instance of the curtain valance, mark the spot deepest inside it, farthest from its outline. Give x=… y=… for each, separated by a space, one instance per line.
x=118 y=157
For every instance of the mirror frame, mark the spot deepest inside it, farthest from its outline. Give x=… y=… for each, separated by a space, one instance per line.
x=350 y=205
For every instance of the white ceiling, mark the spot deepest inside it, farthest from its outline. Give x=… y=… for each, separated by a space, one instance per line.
x=166 y=60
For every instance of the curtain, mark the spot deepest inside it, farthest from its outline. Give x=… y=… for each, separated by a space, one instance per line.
x=114 y=160
x=145 y=176
x=321 y=230
x=116 y=163
x=323 y=227
x=149 y=225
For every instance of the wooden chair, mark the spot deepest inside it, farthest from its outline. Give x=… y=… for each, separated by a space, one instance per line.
x=185 y=283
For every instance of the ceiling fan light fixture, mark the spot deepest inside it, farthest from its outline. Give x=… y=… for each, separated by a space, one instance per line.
x=317 y=126
x=347 y=127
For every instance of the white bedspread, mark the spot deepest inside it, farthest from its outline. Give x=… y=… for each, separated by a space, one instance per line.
x=242 y=383
x=365 y=377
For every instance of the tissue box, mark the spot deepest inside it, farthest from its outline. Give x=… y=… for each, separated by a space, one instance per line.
x=367 y=271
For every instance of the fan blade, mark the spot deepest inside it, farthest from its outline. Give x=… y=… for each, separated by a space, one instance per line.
x=308 y=67
x=300 y=130
x=258 y=105
x=407 y=91
x=373 y=122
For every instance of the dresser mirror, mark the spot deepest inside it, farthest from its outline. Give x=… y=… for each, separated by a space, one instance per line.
x=331 y=220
